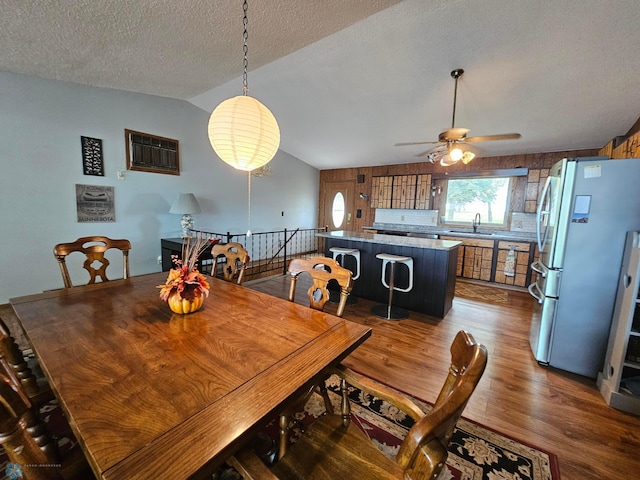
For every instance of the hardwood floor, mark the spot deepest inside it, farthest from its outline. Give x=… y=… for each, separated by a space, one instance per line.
x=557 y=411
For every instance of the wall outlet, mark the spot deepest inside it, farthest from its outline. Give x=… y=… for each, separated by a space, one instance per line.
x=120 y=175
x=159 y=259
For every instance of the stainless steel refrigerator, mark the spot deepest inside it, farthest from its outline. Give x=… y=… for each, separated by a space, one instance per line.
x=585 y=209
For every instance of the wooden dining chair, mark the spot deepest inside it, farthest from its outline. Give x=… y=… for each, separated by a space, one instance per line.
x=30 y=446
x=322 y=270
x=26 y=373
x=236 y=261
x=95 y=263
x=333 y=447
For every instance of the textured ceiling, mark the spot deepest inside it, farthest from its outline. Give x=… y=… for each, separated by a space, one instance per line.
x=347 y=79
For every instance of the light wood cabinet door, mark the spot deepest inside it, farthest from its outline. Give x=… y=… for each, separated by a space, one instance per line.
x=381 y=192
x=423 y=192
x=513 y=271
x=404 y=191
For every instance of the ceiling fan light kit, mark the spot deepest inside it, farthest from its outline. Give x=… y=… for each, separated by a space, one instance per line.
x=451 y=145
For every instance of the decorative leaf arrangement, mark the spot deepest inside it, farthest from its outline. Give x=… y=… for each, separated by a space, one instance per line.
x=185 y=278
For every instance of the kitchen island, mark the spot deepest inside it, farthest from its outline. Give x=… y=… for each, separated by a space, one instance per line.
x=434 y=269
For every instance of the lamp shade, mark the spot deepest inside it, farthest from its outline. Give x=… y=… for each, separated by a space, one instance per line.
x=186 y=203
x=244 y=133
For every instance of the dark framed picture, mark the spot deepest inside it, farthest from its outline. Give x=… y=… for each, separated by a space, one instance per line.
x=151 y=153
x=92 y=162
x=95 y=203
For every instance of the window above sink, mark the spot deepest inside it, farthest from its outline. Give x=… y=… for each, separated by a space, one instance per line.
x=477 y=200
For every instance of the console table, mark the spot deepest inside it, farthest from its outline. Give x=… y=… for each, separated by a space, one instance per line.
x=173 y=246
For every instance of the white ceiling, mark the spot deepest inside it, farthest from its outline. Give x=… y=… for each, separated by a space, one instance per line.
x=347 y=79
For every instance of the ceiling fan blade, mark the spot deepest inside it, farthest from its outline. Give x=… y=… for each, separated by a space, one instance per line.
x=486 y=138
x=413 y=143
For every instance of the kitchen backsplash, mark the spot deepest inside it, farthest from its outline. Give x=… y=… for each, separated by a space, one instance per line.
x=407 y=217
x=520 y=222
x=523 y=222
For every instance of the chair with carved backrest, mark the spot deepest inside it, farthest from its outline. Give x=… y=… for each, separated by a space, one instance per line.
x=322 y=270
x=31 y=448
x=94 y=249
x=333 y=447
x=236 y=261
x=24 y=372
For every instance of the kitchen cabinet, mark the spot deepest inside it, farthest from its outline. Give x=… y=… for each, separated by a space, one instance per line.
x=475 y=258
x=381 y=192
x=401 y=191
x=521 y=261
x=423 y=192
x=485 y=259
x=434 y=278
x=619 y=382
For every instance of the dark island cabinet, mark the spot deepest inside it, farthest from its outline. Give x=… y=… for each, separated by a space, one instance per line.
x=434 y=271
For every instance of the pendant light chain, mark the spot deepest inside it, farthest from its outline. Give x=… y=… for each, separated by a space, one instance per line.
x=245 y=48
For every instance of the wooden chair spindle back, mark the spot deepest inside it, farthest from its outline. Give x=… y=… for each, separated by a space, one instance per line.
x=322 y=270
x=94 y=249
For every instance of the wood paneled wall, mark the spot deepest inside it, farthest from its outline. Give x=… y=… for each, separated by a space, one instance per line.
x=523 y=195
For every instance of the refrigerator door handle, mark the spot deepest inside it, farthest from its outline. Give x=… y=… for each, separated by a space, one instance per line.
x=540 y=213
x=535 y=266
x=531 y=288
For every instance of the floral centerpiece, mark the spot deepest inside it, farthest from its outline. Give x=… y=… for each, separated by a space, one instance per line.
x=186 y=288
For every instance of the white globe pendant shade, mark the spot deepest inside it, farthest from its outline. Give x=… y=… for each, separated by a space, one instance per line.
x=244 y=133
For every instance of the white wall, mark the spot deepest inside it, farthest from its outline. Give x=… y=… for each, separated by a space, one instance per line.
x=41 y=122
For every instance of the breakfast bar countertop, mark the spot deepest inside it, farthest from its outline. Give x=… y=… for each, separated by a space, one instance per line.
x=414 y=242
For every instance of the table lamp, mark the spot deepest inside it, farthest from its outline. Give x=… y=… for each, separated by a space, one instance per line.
x=186 y=204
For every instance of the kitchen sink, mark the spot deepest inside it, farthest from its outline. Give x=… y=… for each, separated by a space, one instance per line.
x=423 y=235
x=489 y=234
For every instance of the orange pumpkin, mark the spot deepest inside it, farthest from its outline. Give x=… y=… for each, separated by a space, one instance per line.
x=177 y=304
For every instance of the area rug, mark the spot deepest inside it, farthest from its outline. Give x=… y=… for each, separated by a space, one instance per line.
x=476 y=452
x=479 y=292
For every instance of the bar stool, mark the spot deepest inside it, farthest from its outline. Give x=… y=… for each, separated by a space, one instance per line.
x=339 y=254
x=388 y=311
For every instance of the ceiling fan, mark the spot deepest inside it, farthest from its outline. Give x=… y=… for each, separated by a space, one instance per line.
x=451 y=145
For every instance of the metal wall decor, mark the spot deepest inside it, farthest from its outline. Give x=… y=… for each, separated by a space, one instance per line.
x=151 y=153
x=92 y=162
x=95 y=203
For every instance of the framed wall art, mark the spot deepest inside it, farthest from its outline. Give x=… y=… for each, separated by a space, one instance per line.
x=92 y=161
x=95 y=203
x=151 y=153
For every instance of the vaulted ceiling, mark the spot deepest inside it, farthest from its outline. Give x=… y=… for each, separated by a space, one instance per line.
x=347 y=79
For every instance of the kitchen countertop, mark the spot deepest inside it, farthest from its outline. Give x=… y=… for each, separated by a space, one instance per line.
x=456 y=232
x=414 y=242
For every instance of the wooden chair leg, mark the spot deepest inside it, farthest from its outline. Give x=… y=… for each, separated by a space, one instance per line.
x=345 y=407
x=344 y=295
x=325 y=396
x=284 y=435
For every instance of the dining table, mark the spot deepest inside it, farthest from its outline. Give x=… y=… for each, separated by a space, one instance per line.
x=152 y=394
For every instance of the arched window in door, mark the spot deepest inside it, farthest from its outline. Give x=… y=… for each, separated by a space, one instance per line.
x=337 y=210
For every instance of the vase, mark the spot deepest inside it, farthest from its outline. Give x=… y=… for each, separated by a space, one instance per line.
x=177 y=304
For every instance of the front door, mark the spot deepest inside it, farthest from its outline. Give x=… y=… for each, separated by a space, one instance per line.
x=338 y=205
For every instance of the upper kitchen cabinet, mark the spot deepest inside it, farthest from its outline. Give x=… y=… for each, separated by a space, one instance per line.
x=423 y=192
x=381 y=192
x=401 y=191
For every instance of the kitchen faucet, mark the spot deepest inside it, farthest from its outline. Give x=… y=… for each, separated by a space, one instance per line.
x=476 y=222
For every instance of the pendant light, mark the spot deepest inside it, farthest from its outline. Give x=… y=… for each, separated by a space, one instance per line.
x=242 y=131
